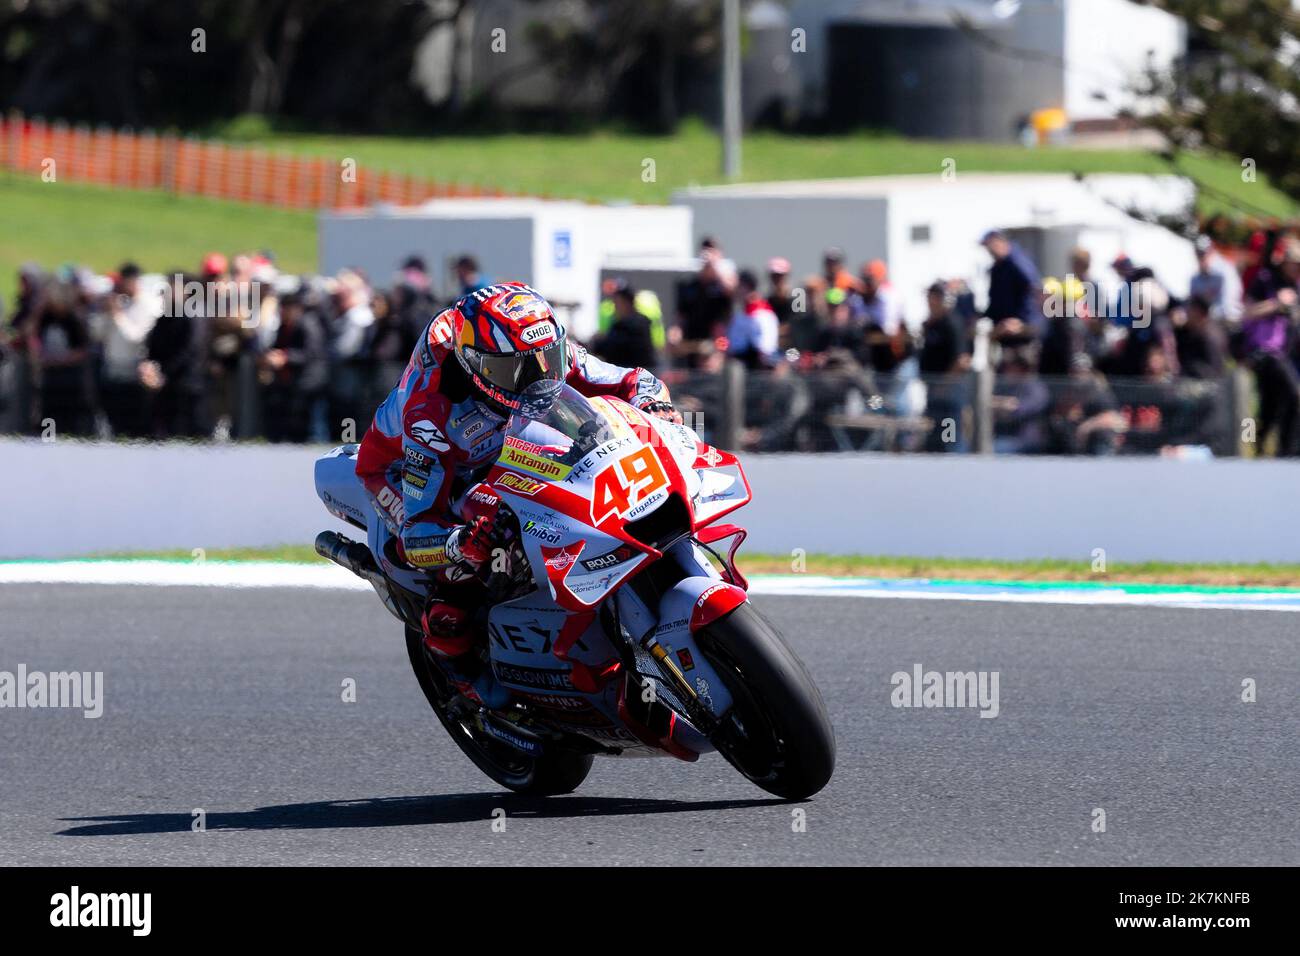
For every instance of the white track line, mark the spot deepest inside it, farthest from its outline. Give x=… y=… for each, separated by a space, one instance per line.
x=267 y=574
x=220 y=574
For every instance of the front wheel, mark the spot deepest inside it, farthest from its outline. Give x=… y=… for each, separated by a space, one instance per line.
x=777 y=732
x=556 y=771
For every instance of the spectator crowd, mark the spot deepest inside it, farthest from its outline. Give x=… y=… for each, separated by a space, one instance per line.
x=1084 y=363
x=234 y=349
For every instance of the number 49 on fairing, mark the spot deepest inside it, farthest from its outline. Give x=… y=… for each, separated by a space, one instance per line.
x=625 y=483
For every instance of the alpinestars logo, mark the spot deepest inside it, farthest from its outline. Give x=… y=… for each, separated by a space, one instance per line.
x=428 y=434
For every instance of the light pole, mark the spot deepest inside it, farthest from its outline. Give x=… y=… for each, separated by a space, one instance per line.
x=731 y=89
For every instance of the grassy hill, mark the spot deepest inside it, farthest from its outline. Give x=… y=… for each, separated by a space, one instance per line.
x=609 y=165
x=54 y=223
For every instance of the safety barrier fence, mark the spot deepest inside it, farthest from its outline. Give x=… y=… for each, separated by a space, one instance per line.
x=58 y=151
x=825 y=410
x=1015 y=507
x=855 y=409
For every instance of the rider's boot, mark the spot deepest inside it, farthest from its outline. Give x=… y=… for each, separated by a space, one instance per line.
x=447 y=633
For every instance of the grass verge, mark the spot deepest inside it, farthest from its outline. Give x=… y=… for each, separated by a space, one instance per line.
x=56 y=223
x=956 y=569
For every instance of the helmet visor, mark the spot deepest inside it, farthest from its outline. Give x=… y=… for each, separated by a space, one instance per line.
x=514 y=373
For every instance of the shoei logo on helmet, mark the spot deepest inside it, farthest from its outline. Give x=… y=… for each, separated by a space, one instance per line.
x=538 y=334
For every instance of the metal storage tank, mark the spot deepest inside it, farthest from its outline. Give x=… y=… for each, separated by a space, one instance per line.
x=919 y=72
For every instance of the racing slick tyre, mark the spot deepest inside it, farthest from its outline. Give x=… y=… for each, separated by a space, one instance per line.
x=556 y=771
x=777 y=732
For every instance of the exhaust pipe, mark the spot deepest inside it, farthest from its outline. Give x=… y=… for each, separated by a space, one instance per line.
x=346 y=553
x=356 y=557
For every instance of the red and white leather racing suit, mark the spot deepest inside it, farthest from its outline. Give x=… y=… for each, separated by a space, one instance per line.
x=431 y=440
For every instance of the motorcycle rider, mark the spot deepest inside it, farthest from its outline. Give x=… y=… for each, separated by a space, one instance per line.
x=442 y=427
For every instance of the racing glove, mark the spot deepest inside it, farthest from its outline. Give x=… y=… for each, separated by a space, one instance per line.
x=662 y=409
x=471 y=543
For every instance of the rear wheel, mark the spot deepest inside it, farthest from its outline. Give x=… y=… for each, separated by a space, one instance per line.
x=555 y=771
x=777 y=732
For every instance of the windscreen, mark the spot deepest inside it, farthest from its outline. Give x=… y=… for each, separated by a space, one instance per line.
x=566 y=433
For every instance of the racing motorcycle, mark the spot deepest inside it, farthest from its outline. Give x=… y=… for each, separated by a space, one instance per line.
x=614 y=617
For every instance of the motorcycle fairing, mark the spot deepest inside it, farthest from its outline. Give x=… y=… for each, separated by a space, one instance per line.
x=716 y=482
x=584 y=545
x=523 y=635
x=345 y=497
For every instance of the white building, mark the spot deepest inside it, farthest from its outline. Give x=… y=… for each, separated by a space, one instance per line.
x=557 y=247
x=923 y=226
x=926 y=228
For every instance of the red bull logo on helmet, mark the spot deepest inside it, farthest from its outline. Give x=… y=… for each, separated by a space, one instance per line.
x=521 y=305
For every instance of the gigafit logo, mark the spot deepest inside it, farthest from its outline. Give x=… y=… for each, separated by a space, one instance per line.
x=76 y=908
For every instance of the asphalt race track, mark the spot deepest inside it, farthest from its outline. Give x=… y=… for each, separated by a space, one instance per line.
x=230 y=701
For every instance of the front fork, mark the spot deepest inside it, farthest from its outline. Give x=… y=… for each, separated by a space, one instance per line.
x=667 y=633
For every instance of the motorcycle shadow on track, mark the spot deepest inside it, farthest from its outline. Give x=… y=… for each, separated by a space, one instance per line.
x=398 y=812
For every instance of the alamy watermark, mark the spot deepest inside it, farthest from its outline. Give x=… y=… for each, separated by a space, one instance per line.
x=129 y=910
x=192 y=298
x=1074 y=298
x=74 y=690
x=921 y=688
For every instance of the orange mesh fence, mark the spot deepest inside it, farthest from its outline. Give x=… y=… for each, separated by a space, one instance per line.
x=188 y=166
